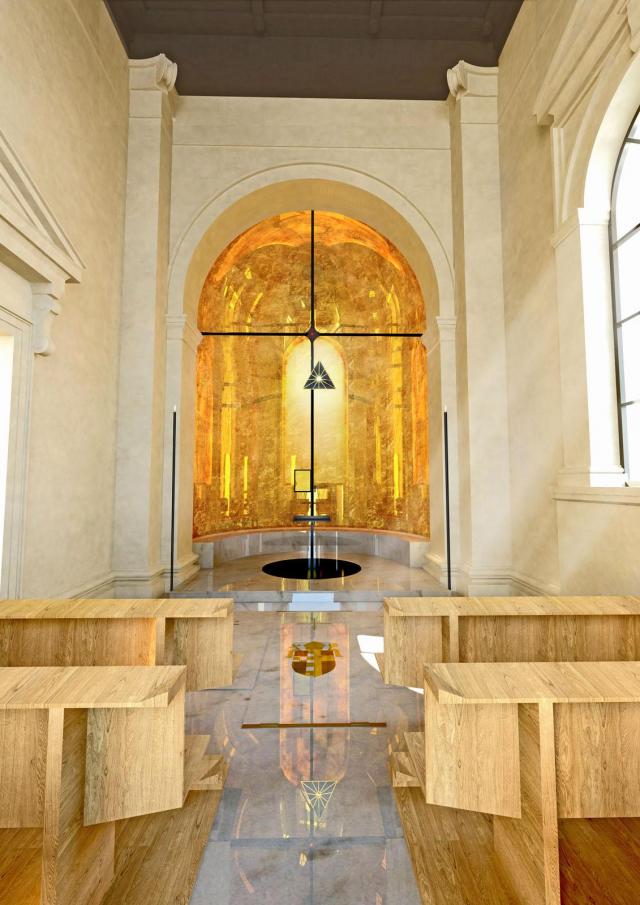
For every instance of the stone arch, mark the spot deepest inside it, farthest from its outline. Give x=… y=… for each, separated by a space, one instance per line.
x=293 y=187
x=609 y=114
x=302 y=187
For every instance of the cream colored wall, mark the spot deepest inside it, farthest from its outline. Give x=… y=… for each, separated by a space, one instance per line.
x=236 y=148
x=64 y=109
x=219 y=142
x=569 y=540
x=530 y=298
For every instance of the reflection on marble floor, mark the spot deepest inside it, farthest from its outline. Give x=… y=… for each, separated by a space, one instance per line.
x=268 y=845
x=377 y=574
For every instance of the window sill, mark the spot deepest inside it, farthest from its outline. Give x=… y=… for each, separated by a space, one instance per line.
x=618 y=496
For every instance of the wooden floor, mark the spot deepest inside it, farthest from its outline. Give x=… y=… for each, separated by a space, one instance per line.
x=599 y=861
x=452 y=853
x=146 y=868
x=454 y=860
x=20 y=866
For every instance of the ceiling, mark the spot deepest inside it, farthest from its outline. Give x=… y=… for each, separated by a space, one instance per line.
x=397 y=49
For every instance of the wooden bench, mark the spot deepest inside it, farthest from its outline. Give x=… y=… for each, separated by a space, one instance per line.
x=84 y=750
x=534 y=768
x=197 y=633
x=419 y=630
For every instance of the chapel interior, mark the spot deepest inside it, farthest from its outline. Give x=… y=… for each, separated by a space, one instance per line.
x=319 y=452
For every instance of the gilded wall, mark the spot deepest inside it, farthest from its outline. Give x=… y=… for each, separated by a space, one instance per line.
x=253 y=413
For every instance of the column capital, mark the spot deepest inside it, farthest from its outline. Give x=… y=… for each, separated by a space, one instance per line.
x=476 y=81
x=447 y=328
x=181 y=329
x=157 y=73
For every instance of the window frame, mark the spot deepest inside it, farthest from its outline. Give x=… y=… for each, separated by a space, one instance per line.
x=614 y=244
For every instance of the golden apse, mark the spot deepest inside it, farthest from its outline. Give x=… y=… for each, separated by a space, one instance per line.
x=252 y=411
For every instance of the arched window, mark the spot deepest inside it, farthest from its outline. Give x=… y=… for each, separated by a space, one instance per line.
x=625 y=255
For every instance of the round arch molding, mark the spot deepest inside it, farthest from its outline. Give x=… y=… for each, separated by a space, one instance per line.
x=303 y=187
x=592 y=454
x=222 y=219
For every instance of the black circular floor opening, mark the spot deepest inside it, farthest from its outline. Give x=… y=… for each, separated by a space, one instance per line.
x=311 y=569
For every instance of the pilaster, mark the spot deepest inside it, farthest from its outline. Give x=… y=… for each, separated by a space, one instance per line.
x=485 y=515
x=140 y=448
x=183 y=339
x=591 y=456
x=444 y=348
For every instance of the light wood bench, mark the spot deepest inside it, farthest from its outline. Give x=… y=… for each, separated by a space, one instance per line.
x=82 y=748
x=551 y=751
x=197 y=633
x=419 y=630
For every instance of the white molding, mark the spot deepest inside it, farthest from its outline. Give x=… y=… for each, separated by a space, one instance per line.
x=632 y=9
x=617 y=496
x=581 y=217
x=489 y=582
x=527 y=585
x=590 y=478
x=591 y=33
x=447 y=328
x=25 y=210
x=137 y=584
x=181 y=329
x=436 y=566
x=476 y=81
x=14 y=524
x=103 y=588
x=45 y=308
x=183 y=571
x=157 y=73
x=34 y=246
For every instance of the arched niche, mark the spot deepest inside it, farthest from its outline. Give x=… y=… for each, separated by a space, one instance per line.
x=265 y=194
x=290 y=188
x=253 y=410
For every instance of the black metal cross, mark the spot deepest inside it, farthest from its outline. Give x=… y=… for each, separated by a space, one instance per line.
x=312 y=334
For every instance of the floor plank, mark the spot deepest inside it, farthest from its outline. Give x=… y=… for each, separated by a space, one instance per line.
x=20 y=866
x=452 y=853
x=157 y=856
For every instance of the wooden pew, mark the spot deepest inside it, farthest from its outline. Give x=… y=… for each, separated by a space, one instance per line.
x=419 y=630
x=83 y=750
x=551 y=751
x=197 y=633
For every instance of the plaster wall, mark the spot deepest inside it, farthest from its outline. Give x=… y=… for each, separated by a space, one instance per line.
x=219 y=144
x=64 y=111
x=566 y=539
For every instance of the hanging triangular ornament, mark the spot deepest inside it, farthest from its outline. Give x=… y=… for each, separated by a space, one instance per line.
x=319 y=379
x=317 y=795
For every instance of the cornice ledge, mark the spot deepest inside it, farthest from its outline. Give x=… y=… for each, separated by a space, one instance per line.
x=581 y=217
x=157 y=73
x=632 y=9
x=34 y=246
x=476 y=81
x=592 y=34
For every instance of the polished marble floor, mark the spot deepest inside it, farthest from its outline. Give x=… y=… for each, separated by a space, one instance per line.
x=270 y=843
x=245 y=574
